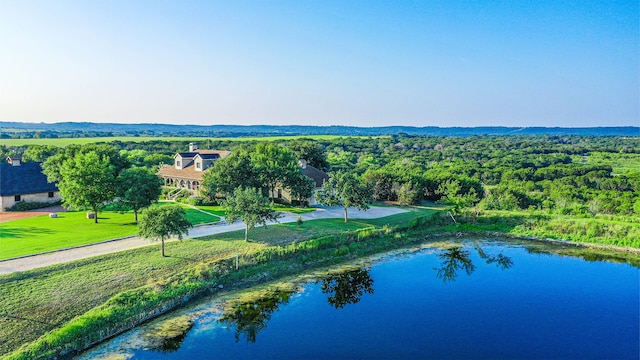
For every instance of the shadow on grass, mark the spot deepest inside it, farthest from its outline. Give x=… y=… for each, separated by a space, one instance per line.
x=19 y=232
x=20 y=318
x=182 y=257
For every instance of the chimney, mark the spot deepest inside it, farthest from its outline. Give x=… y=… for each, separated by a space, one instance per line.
x=302 y=163
x=193 y=147
x=14 y=161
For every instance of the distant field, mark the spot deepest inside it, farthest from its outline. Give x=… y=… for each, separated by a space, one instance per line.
x=62 y=142
x=620 y=162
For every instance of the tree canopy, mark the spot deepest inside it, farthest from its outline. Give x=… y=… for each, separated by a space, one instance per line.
x=87 y=181
x=250 y=206
x=138 y=188
x=345 y=190
x=162 y=223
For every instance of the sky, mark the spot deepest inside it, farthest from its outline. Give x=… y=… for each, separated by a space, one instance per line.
x=306 y=62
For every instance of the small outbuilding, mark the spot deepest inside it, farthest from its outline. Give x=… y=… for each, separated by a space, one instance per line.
x=24 y=181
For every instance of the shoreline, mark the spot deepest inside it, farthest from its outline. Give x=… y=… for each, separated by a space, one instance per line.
x=270 y=269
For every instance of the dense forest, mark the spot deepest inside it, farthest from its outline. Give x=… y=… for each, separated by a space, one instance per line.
x=583 y=177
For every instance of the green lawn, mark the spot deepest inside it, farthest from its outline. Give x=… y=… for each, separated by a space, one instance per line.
x=214 y=209
x=194 y=216
x=293 y=209
x=39 y=234
x=43 y=299
x=217 y=209
x=62 y=142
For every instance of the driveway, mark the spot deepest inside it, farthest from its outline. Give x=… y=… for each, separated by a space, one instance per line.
x=107 y=247
x=17 y=215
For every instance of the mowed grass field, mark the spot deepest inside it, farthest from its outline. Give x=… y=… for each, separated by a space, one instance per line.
x=621 y=163
x=41 y=233
x=62 y=142
x=37 y=301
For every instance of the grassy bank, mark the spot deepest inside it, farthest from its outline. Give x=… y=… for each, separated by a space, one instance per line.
x=602 y=230
x=117 y=291
x=128 y=308
x=37 y=301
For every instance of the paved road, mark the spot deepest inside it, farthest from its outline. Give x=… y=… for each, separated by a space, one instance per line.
x=62 y=256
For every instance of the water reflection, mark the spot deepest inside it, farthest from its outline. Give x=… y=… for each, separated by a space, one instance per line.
x=250 y=314
x=457 y=259
x=454 y=260
x=347 y=286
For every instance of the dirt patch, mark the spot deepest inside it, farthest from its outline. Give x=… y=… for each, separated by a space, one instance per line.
x=17 y=215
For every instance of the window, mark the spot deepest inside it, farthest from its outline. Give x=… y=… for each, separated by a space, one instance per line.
x=17 y=198
x=198 y=165
x=50 y=194
x=177 y=163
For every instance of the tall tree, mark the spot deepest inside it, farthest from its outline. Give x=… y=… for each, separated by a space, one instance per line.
x=163 y=222
x=301 y=187
x=87 y=181
x=39 y=153
x=311 y=151
x=345 y=190
x=138 y=188
x=52 y=166
x=233 y=172
x=250 y=206
x=274 y=165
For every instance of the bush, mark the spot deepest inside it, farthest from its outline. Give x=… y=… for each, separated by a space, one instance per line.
x=25 y=206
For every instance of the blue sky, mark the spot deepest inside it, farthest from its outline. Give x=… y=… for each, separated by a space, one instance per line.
x=359 y=63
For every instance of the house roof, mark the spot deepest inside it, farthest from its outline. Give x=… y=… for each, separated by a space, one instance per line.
x=189 y=173
x=24 y=179
x=209 y=156
x=317 y=175
x=202 y=153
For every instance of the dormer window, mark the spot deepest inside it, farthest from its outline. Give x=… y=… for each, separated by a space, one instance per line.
x=198 y=165
x=178 y=163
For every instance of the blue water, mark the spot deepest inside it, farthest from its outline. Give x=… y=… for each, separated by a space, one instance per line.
x=535 y=307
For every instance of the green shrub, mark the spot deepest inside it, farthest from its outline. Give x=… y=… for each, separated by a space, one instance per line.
x=25 y=205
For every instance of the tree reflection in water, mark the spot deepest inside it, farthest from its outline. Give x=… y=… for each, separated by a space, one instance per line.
x=456 y=258
x=347 y=286
x=250 y=315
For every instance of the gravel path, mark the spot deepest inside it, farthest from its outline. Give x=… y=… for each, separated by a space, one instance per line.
x=62 y=256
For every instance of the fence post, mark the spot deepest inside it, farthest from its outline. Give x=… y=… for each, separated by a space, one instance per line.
x=237 y=260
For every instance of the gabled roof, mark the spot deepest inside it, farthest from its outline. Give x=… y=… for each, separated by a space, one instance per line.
x=24 y=179
x=203 y=153
x=317 y=175
x=209 y=156
x=187 y=155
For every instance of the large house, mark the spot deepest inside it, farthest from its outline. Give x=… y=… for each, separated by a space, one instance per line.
x=189 y=167
x=24 y=181
x=318 y=176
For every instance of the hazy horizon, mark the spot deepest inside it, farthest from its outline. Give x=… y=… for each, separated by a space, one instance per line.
x=365 y=64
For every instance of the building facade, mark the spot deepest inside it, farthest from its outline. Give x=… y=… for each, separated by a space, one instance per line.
x=24 y=182
x=189 y=167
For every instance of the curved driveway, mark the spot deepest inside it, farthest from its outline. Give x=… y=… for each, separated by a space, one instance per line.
x=62 y=256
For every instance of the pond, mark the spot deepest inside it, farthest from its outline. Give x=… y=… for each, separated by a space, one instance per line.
x=469 y=299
